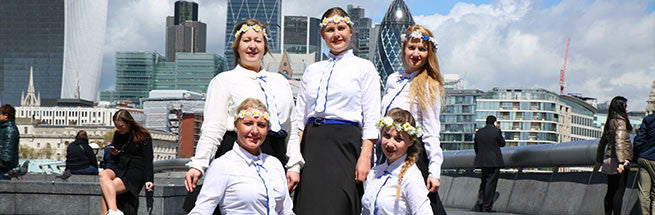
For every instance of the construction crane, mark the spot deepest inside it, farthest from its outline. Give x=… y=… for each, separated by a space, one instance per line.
x=563 y=71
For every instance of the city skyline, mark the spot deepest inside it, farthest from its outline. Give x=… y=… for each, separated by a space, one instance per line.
x=513 y=44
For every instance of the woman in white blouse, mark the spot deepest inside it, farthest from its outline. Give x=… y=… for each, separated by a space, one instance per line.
x=228 y=89
x=334 y=125
x=396 y=186
x=420 y=90
x=245 y=180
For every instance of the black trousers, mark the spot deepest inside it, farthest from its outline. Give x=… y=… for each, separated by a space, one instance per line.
x=615 y=189
x=489 y=180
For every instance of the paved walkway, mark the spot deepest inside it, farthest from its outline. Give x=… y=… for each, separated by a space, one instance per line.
x=457 y=211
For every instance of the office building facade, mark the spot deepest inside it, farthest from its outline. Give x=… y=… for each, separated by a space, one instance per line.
x=361 y=31
x=388 y=57
x=267 y=11
x=184 y=33
x=302 y=35
x=61 y=40
x=457 y=118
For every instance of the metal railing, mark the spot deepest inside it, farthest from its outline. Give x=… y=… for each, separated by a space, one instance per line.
x=566 y=154
x=170 y=164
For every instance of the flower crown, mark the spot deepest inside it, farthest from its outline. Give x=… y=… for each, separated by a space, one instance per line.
x=254 y=113
x=418 y=35
x=387 y=122
x=256 y=27
x=336 y=20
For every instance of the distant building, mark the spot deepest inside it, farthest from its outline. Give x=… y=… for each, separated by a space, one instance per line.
x=374 y=34
x=161 y=107
x=62 y=40
x=453 y=82
x=302 y=35
x=184 y=33
x=290 y=65
x=78 y=116
x=137 y=73
x=267 y=11
x=537 y=116
x=361 y=33
x=650 y=107
x=458 y=118
x=388 y=57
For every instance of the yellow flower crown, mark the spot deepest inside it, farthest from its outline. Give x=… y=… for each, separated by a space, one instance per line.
x=414 y=132
x=254 y=113
x=336 y=20
x=246 y=27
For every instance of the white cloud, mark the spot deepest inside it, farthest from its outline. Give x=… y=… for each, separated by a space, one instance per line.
x=512 y=43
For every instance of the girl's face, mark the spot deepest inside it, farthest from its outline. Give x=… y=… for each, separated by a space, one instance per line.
x=121 y=126
x=395 y=144
x=337 y=36
x=251 y=132
x=251 y=49
x=416 y=54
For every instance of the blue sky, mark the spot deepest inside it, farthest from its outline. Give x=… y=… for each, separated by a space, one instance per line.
x=498 y=43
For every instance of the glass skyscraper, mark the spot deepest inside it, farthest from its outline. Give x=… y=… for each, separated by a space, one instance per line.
x=361 y=33
x=137 y=73
x=388 y=58
x=267 y=11
x=61 y=39
x=302 y=35
x=458 y=118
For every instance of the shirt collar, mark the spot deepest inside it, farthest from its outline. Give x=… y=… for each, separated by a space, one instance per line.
x=405 y=75
x=343 y=54
x=393 y=167
x=246 y=156
x=250 y=73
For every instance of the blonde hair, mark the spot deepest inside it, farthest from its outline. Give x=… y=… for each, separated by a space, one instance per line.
x=251 y=103
x=403 y=116
x=431 y=77
x=235 y=43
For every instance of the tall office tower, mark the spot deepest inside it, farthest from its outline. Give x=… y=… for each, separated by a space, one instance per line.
x=302 y=35
x=267 y=11
x=184 y=33
x=388 y=58
x=373 y=40
x=61 y=40
x=361 y=33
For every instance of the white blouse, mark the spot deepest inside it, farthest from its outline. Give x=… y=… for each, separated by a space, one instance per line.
x=238 y=185
x=381 y=184
x=349 y=90
x=397 y=95
x=225 y=93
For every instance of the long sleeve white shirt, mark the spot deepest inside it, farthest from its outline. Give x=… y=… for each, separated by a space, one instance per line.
x=353 y=94
x=398 y=86
x=382 y=182
x=233 y=183
x=225 y=93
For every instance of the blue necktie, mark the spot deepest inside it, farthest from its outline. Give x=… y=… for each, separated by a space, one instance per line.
x=322 y=92
x=272 y=106
x=375 y=206
x=258 y=164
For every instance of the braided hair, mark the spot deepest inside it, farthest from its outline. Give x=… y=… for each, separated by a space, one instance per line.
x=403 y=116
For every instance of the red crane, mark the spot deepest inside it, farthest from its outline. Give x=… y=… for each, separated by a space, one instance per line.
x=563 y=71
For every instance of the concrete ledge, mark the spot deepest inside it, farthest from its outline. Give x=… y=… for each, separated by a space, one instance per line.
x=538 y=193
x=79 y=196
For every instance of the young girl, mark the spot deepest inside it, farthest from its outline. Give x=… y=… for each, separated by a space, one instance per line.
x=396 y=186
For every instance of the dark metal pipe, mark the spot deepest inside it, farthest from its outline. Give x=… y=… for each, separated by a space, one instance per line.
x=567 y=154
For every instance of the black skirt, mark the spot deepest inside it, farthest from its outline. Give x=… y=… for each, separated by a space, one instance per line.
x=275 y=144
x=327 y=181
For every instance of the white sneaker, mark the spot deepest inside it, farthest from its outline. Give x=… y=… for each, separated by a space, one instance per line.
x=116 y=212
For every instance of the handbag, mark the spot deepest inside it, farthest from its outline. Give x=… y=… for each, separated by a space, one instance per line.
x=610 y=166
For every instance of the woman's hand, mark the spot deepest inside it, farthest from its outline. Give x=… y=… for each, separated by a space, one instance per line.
x=191 y=179
x=114 y=151
x=362 y=168
x=433 y=184
x=596 y=167
x=622 y=166
x=149 y=186
x=292 y=180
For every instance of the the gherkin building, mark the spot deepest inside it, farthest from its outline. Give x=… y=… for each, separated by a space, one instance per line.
x=388 y=57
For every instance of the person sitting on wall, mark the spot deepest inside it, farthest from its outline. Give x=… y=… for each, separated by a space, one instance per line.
x=80 y=159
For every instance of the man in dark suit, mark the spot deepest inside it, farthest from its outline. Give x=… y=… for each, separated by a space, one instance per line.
x=488 y=141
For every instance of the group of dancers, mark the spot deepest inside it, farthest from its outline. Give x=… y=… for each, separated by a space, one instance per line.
x=257 y=145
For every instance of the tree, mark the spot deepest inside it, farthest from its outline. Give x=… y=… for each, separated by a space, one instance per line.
x=26 y=152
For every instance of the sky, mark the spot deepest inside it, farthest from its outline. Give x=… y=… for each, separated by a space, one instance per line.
x=498 y=43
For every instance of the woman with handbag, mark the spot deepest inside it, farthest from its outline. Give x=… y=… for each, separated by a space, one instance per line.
x=614 y=153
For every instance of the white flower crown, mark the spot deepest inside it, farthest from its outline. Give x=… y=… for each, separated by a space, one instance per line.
x=387 y=122
x=336 y=20
x=246 y=27
x=254 y=113
x=418 y=35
